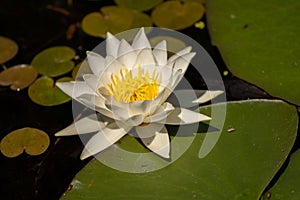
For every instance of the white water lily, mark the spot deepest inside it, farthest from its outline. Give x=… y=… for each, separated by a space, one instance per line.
x=129 y=88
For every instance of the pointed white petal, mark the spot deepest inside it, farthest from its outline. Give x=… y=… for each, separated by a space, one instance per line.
x=92 y=81
x=121 y=112
x=112 y=45
x=159 y=143
x=87 y=124
x=184 y=116
x=160 y=114
x=181 y=64
x=140 y=107
x=75 y=89
x=96 y=62
x=208 y=95
x=145 y=58
x=148 y=130
x=160 y=53
x=103 y=139
x=141 y=41
x=126 y=55
x=180 y=53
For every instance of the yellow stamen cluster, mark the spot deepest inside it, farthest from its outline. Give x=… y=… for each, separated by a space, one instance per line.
x=126 y=88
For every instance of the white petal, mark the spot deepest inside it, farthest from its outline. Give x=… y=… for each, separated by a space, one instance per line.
x=112 y=45
x=87 y=124
x=148 y=130
x=208 y=95
x=160 y=53
x=103 y=139
x=96 y=62
x=92 y=81
x=141 y=41
x=159 y=143
x=181 y=64
x=160 y=114
x=184 y=116
x=145 y=58
x=121 y=112
x=75 y=89
x=180 y=53
x=140 y=107
x=126 y=55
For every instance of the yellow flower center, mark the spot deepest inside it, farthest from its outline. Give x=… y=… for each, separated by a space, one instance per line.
x=126 y=88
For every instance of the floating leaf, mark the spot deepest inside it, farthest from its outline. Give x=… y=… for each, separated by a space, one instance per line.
x=264 y=134
x=141 y=20
x=287 y=187
x=173 y=44
x=138 y=5
x=8 y=49
x=177 y=15
x=18 y=77
x=31 y=140
x=54 y=61
x=259 y=42
x=112 y=19
x=44 y=92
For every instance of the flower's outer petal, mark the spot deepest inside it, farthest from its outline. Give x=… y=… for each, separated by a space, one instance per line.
x=126 y=55
x=96 y=62
x=160 y=114
x=159 y=143
x=140 y=107
x=208 y=95
x=181 y=64
x=141 y=41
x=74 y=89
x=121 y=112
x=84 y=125
x=180 y=53
x=148 y=130
x=184 y=116
x=112 y=45
x=160 y=53
x=145 y=58
x=104 y=138
x=92 y=81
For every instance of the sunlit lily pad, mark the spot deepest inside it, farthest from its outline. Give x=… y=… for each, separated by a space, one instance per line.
x=177 y=15
x=173 y=44
x=239 y=167
x=54 y=61
x=259 y=42
x=31 y=140
x=18 y=77
x=8 y=49
x=287 y=187
x=44 y=92
x=138 y=5
x=111 y=19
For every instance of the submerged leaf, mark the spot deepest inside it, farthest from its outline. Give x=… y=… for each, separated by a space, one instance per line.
x=54 y=61
x=31 y=140
x=138 y=5
x=18 y=77
x=44 y=92
x=8 y=49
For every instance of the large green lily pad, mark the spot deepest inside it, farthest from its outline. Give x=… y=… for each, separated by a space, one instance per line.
x=287 y=187
x=18 y=77
x=44 y=92
x=54 y=61
x=8 y=49
x=111 y=19
x=177 y=15
x=259 y=42
x=138 y=5
x=239 y=167
x=31 y=140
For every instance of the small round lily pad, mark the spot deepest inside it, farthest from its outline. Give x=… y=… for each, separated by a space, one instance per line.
x=54 y=61
x=8 y=49
x=111 y=19
x=18 y=77
x=44 y=92
x=138 y=5
x=177 y=15
x=173 y=44
x=31 y=140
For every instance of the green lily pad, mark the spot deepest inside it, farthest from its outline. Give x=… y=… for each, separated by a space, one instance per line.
x=44 y=92
x=138 y=5
x=18 y=77
x=173 y=44
x=54 y=61
x=287 y=187
x=239 y=167
x=8 y=49
x=259 y=42
x=177 y=15
x=111 y=19
x=31 y=140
